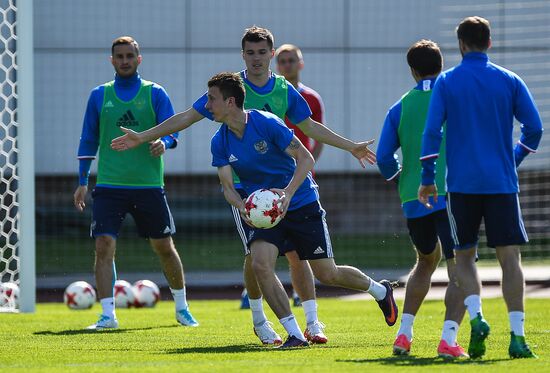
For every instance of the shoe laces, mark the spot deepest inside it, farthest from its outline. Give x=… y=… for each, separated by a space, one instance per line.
x=266 y=326
x=394 y=284
x=186 y=314
x=316 y=327
x=104 y=319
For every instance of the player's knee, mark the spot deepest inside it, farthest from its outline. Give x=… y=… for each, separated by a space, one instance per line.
x=104 y=248
x=430 y=261
x=164 y=247
x=261 y=268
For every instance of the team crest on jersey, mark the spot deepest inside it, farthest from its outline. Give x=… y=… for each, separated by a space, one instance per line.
x=261 y=147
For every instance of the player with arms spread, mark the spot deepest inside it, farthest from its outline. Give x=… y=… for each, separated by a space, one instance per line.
x=269 y=92
x=264 y=153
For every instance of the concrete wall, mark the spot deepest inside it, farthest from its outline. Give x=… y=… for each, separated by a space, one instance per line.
x=354 y=53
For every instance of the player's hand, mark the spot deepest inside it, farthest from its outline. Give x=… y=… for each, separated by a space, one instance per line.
x=424 y=193
x=244 y=214
x=157 y=148
x=362 y=152
x=284 y=200
x=79 y=197
x=130 y=140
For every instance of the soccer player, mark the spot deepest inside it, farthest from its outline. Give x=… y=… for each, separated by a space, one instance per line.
x=429 y=229
x=479 y=100
x=129 y=182
x=290 y=62
x=269 y=92
x=264 y=153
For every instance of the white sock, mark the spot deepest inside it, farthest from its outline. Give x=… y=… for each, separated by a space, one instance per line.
x=108 y=306
x=180 y=298
x=517 y=322
x=257 y=308
x=310 y=310
x=377 y=290
x=406 y=327
x=450 y=331
x=291 y=326
x=473 y=305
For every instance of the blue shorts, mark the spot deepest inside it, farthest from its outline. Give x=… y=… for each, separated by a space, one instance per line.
x=501 y=214
x=148 y=207
x=425 y=231
x=244 y=229
x=304 y=230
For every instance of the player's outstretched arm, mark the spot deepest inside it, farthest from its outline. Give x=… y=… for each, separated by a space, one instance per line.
x=321 y=133
x=175 y=123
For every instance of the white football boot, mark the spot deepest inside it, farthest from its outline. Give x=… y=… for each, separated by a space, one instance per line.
x=267 y=335
x=315 y=333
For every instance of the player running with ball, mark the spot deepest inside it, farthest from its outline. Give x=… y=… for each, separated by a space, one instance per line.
x=265 y=154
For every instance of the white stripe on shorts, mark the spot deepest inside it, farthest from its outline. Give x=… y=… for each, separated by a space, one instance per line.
x=520 y=219
x=240 y=229
x=330 y=254
x=452 y=221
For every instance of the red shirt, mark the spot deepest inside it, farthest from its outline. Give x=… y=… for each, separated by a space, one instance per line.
x=317 y=107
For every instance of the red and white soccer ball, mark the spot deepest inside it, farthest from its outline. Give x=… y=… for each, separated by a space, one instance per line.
x=263 y=209
x=124 y=294
x=147 y=293
x=9 y=295
x=79 y=295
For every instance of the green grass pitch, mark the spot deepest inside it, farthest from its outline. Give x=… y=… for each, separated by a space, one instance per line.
x=52 y=339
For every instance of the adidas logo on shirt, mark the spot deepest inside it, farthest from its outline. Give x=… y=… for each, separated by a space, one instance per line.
x=319 y=250
x=232 y=158
x=127 y=120
x=167 y=230
x=109 y=104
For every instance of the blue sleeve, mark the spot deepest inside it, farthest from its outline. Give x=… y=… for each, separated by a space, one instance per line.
x=199 y=106
x=298 y=110
x=527 y=114
x=164 y=110
x=89 y=139
x=277 y=131
x=386 y=159
x=219 y=155
x=433 y=132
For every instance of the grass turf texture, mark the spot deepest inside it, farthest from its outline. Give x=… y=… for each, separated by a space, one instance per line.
x=151 y=340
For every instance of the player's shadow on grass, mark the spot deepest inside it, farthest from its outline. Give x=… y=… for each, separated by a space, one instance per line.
x=86 y=331
x=418 y=361
x=219 y=349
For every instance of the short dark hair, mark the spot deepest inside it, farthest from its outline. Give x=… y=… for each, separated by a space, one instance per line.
x=230 y=85
x=425 y=58
x=125 y=40
x=475 y=32
x=257 y=34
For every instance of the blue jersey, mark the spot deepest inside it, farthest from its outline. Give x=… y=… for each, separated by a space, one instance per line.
x=387 y=160
x=479 y=101
x=125 y=89
x=259 y=157
x=297 y=111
